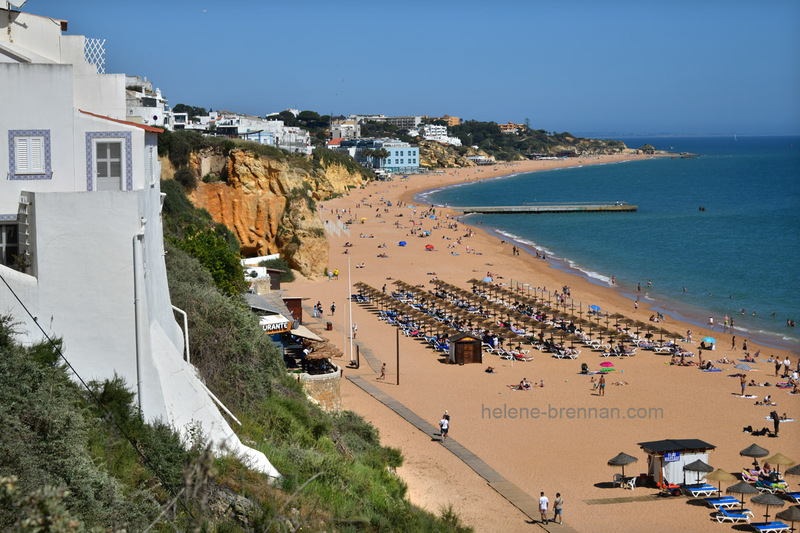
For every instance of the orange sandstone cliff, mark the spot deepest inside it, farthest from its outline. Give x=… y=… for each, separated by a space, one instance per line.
x=270 y=204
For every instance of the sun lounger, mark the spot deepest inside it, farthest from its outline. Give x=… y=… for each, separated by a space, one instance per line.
x=736 y=517
x=701 y=490
x=769 y=527
x=795 y=496
x=725 y=502
x=724 y=515
x=772 y=488
x=522 y=357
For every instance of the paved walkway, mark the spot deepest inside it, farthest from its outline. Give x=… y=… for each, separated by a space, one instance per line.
x=519 y=498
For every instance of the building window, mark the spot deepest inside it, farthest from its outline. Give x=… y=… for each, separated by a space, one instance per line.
x=109 y=163
x=29 y=155
x=9 y=243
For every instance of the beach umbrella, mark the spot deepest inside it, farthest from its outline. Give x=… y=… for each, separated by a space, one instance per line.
x=755 y=451
x=742 y=366
x=401 y=243
x=769 y=500
x=595 y=308
x=699 y=467
x=719 y=475
x=742 y=488
x=792 y=514
x=779 y=459
x=607 y=364
x=622 y=459
x=487 y=279
x=710 y=340
x=795 y=470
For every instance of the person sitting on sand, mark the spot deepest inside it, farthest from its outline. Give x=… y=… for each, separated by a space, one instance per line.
x=749 y=358
x=525 y=384
x=707 y=365
x=489 y=370
x=724 y=360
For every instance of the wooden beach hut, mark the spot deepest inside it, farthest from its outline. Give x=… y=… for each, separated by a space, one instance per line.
x=465 y=349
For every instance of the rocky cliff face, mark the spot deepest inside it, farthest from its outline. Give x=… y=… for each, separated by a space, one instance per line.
x=436 y=155
x=270 y=204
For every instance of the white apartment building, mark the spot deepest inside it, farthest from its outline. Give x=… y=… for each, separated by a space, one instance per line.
x=80 y=220
x=438 y=133
x=144 y=104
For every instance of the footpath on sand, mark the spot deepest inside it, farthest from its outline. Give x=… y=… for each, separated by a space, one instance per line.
x=519 y=498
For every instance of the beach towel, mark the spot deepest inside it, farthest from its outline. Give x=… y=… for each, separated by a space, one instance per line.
x=749 y=396
x=713 y=370
x=783 y=385
x=516 y=387
x=782 y=419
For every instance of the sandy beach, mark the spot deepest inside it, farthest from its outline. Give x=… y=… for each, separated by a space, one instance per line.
x=553 y=453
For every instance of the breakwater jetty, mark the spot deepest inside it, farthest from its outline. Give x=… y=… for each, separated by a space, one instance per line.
x=587 y=207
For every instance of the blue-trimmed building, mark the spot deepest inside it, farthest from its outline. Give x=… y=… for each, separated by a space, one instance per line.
x=402 y=156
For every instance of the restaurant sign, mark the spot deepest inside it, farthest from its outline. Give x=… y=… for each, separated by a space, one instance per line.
x=671 y=457
x=274 y=323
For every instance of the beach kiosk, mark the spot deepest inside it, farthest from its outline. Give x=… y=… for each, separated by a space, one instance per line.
x=666 y=458
x=465 y=349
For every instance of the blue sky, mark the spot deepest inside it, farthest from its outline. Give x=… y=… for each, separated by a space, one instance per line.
x=615 y=67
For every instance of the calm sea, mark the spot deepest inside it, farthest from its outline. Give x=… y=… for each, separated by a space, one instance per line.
x=741 y=253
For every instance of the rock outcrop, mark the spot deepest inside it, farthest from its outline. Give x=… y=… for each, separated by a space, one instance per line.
x=270 y=204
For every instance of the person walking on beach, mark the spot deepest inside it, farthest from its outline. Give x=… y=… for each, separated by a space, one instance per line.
x=383 y=372
x=544 y=503
x=444 y=426
x=355 y=329
x=558 y=504
x=602 y=384
x=787 y=366
x=333 y=308
x=733 y=342
x=744 y=345
x=776 y=421
x=743 y=383
x=711 y=323
x=777 y=366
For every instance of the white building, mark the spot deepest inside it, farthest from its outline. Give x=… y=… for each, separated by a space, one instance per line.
x=438 y=133
x=80 y=211
x=345 y=129
x=144 y=104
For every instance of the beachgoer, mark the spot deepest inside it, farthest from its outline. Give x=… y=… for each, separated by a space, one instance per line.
x=711 y=323
x=558 y=504
x=383 y=372
x=776 y=421
x=355 y=329
x=733 y=342
x=444 y=426
x=635 y=305
x=602 y=384
x=777 y=366
x=543 y=504
x=744 y=345
x=689 y=336
x=333 y=308
x=742 y=382
x=787 y=366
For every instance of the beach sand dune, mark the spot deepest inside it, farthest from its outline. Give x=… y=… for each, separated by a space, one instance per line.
x=558 y=450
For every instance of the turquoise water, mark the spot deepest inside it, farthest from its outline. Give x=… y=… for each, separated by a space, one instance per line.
x=741 y=252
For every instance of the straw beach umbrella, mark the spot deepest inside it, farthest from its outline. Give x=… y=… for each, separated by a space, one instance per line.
x=719 y=475
x=792 y=514
x=768 y=500
x=698 y=467
x=795 y=470
x=622 y=459
x=742 y=488
x=779 y=459
x=755 y=451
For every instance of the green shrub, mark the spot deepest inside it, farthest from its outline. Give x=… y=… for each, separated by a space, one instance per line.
x=186 y=177
x=287 y=276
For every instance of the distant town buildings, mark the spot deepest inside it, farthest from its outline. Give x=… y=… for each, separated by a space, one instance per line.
x=510 y=127
x=438 y=133
x=450 y=121
x=403 y=123
x=345 y=129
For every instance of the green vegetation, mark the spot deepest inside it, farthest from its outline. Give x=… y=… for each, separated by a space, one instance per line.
x=280 y=264
x=328 y=158
x=527 y=142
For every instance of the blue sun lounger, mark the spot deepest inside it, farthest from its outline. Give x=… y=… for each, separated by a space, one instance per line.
x=701 y=490
x=725 y=515
x=725 y=502
x=770 y=527
x=794 y=496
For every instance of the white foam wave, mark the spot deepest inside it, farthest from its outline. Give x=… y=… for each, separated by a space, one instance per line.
x=590 y=273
